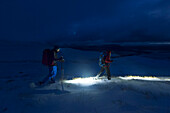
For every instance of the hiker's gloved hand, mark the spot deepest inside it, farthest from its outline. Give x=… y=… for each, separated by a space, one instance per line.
x=62 y=60
x=54 y=61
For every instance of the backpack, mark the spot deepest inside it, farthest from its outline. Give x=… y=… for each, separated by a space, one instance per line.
x=102 y=58
x=47 y=57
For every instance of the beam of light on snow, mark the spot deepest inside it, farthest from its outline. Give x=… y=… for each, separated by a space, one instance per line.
x=147 y=78
x=88 y=81
x=84 y=81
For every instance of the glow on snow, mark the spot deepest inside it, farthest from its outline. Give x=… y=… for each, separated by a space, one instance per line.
x=92 y=80
x=84 y=81
x=147 y=78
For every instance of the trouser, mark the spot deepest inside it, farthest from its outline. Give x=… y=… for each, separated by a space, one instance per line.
x=107 y=71
x=52 y=74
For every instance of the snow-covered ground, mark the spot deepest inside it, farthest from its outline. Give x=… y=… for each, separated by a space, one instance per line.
x=21 y=66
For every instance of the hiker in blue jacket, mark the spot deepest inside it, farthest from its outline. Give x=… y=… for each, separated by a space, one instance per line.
x=104 y=63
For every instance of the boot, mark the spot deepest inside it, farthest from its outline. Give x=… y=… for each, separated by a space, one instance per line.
x=109 y=78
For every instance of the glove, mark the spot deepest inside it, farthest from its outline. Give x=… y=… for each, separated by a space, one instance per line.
x=62 y=60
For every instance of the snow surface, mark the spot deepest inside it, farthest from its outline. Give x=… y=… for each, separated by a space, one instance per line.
x=21 y=67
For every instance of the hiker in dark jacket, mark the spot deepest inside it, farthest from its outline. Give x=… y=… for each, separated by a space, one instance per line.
x=55 y=57
x=104 y=63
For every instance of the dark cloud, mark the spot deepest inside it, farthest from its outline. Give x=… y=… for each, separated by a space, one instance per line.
x=83 y=20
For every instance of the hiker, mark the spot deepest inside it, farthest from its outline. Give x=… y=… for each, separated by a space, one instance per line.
x=104 y=63
x=50 y=59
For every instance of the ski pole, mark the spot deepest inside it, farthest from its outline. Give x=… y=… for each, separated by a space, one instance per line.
x=62 y=75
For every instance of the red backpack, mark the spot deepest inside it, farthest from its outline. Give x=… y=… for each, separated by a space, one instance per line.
x=47 y=57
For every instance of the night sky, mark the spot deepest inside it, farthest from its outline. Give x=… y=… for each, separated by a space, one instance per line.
x=85 y=20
